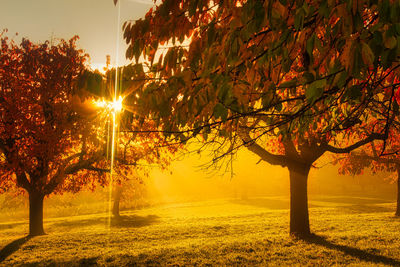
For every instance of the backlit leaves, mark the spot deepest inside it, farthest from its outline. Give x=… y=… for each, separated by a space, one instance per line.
x=274 y=62
x=315 y=90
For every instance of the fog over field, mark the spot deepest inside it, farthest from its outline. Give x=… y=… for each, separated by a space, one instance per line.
x=187 y=180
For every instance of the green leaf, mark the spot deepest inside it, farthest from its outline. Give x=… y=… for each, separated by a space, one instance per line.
x=266 y=99
x=220 y=112
x=397 y=28
x=164 y=108
x=342 y=79
x=384 y=10
x=278 y=107
x=211 y=33
x=224 y=92
x=324 y=9
x=367 y=54
x=308 y=77
x=357 y=61
x=286 y=64
x=299 y=19
x=315 y=90
x=354 y=92
x=92 y=82
x=288 y=84
x=205 y=136
x=259 y=14
x=310 y=45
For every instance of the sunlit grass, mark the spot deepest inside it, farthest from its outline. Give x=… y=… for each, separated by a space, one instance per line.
x=356 y=231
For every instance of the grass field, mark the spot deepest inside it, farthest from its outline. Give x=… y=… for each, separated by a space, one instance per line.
x=349 y=230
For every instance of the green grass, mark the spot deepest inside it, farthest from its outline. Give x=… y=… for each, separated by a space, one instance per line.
x=350 y=231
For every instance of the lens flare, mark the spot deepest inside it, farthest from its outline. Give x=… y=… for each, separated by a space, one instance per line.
x=114 y=106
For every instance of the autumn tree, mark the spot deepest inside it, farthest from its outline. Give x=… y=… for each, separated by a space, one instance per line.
x=54 y=137
x=370 y=157
x=140 y=148
x=289 y=80
x=139 y=145
x=45 y=142
x=129 y=190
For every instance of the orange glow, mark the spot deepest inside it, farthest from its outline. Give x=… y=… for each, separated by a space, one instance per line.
x=114 y=106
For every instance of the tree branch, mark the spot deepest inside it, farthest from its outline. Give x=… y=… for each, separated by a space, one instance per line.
x=272 y=159
x=348 y=149
x=91 y=168
x=22 y=181
x=66 y=169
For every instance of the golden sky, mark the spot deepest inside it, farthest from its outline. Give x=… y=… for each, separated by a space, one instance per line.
x=95 y=21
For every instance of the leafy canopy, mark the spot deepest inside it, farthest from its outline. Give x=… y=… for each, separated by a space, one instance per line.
x=296 y=69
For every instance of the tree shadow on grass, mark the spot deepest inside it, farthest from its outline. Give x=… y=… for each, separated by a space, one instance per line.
x=350 y=200
x=134 y=221
x=13 y=247
x=269 y=203
x=8 y=226
x=354 y=252
x=121 y=221
x=360 y=208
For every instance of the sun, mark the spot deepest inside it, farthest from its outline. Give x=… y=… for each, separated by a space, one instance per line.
x=115 y=106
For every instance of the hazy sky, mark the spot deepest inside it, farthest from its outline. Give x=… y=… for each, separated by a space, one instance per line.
x=95 y=21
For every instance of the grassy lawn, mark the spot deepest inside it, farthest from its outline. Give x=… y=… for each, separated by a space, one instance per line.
x=350 y=230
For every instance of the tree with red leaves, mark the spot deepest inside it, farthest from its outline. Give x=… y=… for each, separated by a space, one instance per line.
x=44 y=141
x=53 y=138
x=375 y=158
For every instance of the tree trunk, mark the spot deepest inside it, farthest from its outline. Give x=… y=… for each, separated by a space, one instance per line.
x=398 y=193
x=117 y=198
x=299 y=221
x=36 y=214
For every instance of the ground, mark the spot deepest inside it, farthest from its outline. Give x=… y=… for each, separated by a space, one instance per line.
x=349 y=231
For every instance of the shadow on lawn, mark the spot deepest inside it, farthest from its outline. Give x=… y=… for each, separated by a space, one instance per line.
x=10 y=225
x=134 y=221
x=13 y=247
x=351 y=200
x=269 y=203
x=121 y=221
x=354 y=252
x=357 y=208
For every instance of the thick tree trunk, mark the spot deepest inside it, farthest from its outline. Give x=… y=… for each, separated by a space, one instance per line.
x=299 y=221
x=398 y=193
x=117 y=198
x=36 y=214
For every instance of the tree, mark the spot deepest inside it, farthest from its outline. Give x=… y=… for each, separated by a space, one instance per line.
x=45 y=143
x=129 y=190
x=139 y=144
x=369 y=157
x=290 y=80
x=139 y=150
x=53 y=136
